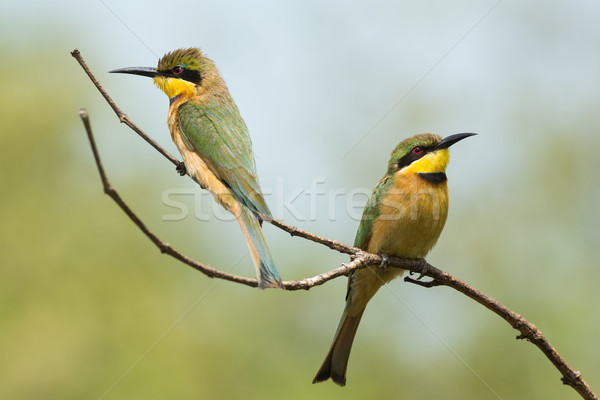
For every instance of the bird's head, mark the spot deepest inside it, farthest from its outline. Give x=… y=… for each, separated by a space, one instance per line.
x=179 y=72
x=426 y=155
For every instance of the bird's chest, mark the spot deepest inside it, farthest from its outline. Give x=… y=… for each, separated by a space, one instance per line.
x=412 y=215
x=184 y=150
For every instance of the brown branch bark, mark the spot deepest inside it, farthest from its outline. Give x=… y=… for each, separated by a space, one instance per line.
x=528 y=330
x=123 y=118
x=360 y=259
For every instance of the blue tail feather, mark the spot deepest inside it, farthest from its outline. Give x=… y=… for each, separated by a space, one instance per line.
x=266 y=271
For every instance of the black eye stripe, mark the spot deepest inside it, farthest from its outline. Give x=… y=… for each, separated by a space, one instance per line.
x=411 y=156
x=179 y=72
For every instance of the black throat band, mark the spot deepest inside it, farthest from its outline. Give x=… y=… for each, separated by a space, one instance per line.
x=433 y=177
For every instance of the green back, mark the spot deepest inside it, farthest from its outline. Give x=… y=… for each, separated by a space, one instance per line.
x=217 y=132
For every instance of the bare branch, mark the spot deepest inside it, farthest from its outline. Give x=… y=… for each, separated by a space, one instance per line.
x=360 y=259
x=528 y=330
x=332 y=244
x=124 y=118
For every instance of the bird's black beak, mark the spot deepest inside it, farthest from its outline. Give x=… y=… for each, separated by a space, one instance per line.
x=450 y=140
x=143 y=71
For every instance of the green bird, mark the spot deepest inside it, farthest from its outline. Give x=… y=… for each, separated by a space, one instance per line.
x=403 y=217
x=214 y=142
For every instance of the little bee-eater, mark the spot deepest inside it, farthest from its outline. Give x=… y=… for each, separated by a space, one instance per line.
x=403 y=217
x=214 y=142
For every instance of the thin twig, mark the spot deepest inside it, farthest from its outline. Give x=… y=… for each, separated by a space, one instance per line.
x=332 y=244
x=361 y=259
x=123 y=118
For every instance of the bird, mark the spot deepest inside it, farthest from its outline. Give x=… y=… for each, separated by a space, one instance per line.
x=213 y=139
x=403 y=217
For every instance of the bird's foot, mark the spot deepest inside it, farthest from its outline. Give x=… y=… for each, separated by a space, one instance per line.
x=423 y=271
x=180 y=168
x=385 y=261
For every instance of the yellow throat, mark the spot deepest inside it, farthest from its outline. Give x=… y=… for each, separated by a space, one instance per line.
x=173 y=86
x=436 y=161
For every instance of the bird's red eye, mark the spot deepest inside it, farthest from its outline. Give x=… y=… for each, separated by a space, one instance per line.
x=417 y=150
x=177 y=70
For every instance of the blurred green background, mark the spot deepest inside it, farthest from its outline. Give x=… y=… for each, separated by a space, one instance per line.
x=90 y=309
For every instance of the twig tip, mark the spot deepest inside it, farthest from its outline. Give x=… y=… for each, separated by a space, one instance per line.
x=83 y=114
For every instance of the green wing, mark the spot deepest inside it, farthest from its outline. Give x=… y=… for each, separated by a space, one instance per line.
x=370 y=213
x=218 y=133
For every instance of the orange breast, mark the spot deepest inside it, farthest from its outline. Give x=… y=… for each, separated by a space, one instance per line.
x=413 y=214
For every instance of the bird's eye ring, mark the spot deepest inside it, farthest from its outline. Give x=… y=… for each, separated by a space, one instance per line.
x=417 y=150
x=177 y=70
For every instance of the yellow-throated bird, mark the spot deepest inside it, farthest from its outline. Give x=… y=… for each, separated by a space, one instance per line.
x=403 y=217
x=214 y=142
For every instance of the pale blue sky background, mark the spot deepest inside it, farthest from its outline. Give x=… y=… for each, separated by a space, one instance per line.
x=316 y=81
x=328 y=88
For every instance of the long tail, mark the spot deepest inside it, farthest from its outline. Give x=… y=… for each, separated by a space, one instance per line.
x=336 y=361
x=266 y=271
